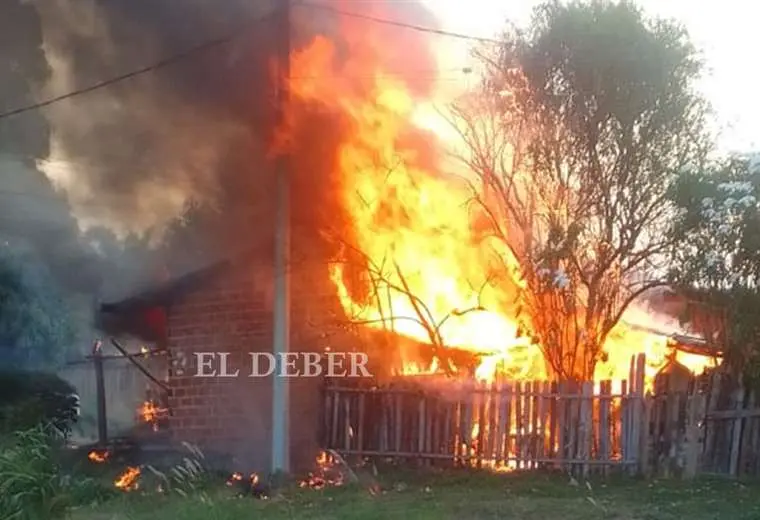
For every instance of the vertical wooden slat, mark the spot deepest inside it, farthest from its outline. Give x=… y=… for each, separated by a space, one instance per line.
x=756 y=442
x=694 y=413
x=493 y=418
x=526 y=403
x=449 y=444
x=605 y=388
x=457 y=425
x=360 y=424
x=436 y=426
x=397 y=423
x=518 y=424
x=630 y=410
x=326 y=418
x=562 y=426
x=347 y=422
x=482 y=398
x=671 y=434
x=711 y=426
x=541 y=408
x=736 y=432
x=535 y=436
x=554 y=412
x=639 y=378
x=646 y=436
x=573 y=423
x=585 y=429
x=506 y=422
x=746 y=442
x=623 y=429
x=496 y=444
x=467 y=427
x=386 y=433
x=335 y=415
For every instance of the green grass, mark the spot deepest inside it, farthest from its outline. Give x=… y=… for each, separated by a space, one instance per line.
x=458 y=495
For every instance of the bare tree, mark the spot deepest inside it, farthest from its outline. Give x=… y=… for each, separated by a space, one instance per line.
x=384 y=283
x=578 y=132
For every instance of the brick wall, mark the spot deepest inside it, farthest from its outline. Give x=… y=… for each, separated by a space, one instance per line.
x=226 y=417
x=230 y=418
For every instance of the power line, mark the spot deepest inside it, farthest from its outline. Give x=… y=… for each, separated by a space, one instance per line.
x=394 y=23
x=226 y=39
x=169 y=60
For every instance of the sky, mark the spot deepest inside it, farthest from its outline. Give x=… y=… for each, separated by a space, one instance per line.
x=719 y=29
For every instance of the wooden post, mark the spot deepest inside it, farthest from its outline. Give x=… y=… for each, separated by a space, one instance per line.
x=100 y=388
x=360 y=424
x=585 y=426
x=646 y=438
x=695 y=410
x=736 y=433
x=747 y=435
x=636 y=412
x=604 y=424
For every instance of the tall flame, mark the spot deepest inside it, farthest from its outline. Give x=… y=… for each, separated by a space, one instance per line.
x=442 y=281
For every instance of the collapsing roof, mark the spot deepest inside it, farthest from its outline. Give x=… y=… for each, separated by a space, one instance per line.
x=682 y=342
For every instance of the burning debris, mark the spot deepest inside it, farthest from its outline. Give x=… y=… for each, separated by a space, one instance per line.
x=250 y=486
x=332 y=471
x=328 y=472
x=129 y=480
x=152 y=414
x=99 y=456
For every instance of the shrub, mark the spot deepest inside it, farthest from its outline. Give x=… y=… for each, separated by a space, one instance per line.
x=30 y=399
x=31 y=485
x=34 y=485
x=188 y=478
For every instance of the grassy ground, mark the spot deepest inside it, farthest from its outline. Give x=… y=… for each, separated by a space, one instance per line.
x=459 y=495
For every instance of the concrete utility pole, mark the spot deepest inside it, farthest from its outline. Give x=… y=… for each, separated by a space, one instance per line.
x=281 y=336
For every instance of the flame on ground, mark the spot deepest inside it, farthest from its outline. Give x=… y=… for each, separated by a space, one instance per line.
x=328 y=473
x=129 y=480
x=98 y=456
x=414 y=225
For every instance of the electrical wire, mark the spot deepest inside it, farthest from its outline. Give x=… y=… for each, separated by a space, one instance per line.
x=169 y=60
x=192 y=51
x=394 y=23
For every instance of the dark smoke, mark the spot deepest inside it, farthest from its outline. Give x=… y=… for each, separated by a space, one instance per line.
x=129 y=158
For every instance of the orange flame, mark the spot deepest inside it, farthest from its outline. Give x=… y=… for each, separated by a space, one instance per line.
x=128 y=481
x=98 y=456
x=328 y=473
x=437 y=273
x=150 y=413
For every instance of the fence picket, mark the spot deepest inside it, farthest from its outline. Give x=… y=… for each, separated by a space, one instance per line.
x=582 y=427
x=585 y=430
x=605 y=389
x=736 y=432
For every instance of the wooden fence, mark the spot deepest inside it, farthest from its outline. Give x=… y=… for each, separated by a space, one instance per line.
x=710 y=427
x=111 y=390
x=714 y=429
x=582 y=428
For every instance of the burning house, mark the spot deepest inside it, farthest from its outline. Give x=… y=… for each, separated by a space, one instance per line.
x=227 y=308
x=424 y=282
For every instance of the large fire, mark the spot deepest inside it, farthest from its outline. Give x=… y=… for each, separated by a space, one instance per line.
x=439 y=283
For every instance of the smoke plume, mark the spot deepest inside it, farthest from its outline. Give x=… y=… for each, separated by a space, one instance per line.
x=126 y=160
